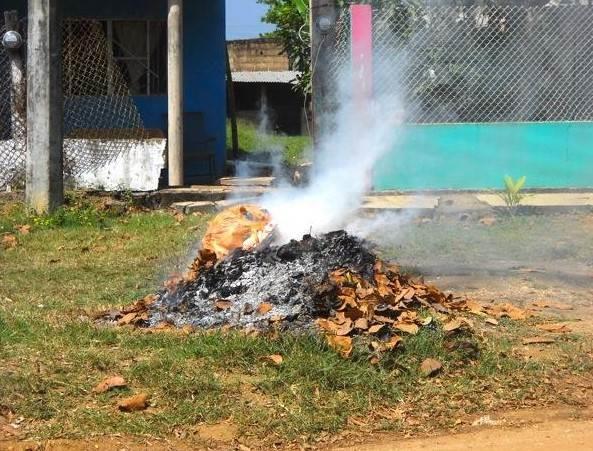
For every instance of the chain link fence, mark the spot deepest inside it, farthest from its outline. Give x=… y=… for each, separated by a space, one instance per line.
x=101 y=120
x=482 y=63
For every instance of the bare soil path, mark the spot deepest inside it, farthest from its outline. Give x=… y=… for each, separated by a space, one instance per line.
x=572 y=435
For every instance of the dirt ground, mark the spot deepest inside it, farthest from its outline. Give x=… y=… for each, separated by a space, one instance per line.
x=516 y=431
x=533 y=430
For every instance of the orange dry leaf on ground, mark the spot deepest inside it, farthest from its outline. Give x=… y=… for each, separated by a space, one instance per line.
x=9 y=241
x=109 y=383
x=133 y=403
x=341 y=344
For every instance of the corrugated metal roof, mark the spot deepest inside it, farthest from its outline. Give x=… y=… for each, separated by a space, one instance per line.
x=287 y=76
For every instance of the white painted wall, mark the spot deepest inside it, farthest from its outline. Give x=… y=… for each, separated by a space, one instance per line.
x=138 y=168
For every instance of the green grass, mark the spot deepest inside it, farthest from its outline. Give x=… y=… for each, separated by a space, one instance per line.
x=292 y=148
x=52 y=354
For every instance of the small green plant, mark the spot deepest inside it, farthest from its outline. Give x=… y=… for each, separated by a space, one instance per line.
x=512 y=194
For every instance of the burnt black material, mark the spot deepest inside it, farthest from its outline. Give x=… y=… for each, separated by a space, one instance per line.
x=289 y=277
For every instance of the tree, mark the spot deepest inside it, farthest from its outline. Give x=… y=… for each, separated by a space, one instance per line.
x=291 y=18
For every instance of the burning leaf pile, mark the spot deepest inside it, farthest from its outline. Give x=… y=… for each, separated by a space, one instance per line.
x=333 y=281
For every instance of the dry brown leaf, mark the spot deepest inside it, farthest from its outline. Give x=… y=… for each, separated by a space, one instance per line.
x=345 y=328
x=491 y=321
x=538 y=340
x=341 y=344
x=133 y=403
x=555 y=328
x=383 y=319
x=264 y=308
x=376 y=328
x=430 y=367
x=110 y=382
x=128 y=318
x=223 y=304
x=327 y=325
x=409 y=294
x=389 y=345
x=452 y=325
x=409 y=328
x=474 y=307
x=276 y=359
x=24 y=229
x=9 y=241
x=375 y=359
x=361 y=323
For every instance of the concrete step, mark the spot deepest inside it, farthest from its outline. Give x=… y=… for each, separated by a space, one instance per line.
x=205 y=193
x=209 y=207
x=247 y=181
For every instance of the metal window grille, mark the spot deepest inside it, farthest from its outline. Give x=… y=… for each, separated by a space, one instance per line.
x=482 y=63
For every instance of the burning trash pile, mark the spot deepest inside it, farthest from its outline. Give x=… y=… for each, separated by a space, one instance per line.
x=333 y=282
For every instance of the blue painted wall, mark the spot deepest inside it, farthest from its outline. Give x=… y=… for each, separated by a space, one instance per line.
x=204 y=59
x=478 y=156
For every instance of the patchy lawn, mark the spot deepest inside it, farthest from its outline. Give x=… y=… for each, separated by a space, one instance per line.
x=88 y=258
x=291 y=150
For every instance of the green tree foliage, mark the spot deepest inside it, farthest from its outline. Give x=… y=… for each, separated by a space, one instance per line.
x=291 y=18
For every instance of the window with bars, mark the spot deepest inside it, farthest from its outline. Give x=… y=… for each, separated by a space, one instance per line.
x=140 y=50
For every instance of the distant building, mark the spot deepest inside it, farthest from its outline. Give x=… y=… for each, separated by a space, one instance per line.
x=264 y=85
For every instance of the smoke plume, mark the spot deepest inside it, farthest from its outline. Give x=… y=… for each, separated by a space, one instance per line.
x=345 y=157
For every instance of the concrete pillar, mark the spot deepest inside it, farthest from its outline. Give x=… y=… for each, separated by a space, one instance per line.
x=323 y=38
x=45 y=187
x=175 y=92
x=18 y=91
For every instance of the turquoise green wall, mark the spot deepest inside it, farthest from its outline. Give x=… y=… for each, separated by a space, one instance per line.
x=478 y=156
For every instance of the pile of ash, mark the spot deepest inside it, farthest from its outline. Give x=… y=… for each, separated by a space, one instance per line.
x=277 y=284
x=333 y=282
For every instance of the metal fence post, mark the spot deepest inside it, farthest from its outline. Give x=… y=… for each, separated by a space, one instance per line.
x=323 y=36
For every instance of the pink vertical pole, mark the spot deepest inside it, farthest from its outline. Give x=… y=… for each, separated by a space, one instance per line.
x=362 y=54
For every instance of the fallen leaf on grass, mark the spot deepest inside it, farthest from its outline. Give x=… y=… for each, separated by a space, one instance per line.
x=376 y=328
x=127 y=319
x=341 y=344
x=24 y=229
x=345 y=328
x=491 y=321
x=430 y=367
x=264 y=308
x=538 y=340
x=276 y=359
x=409 y=328
x=109 y=383
x=555 y=328
x=452 y=325
x=384 y=346
x=9 y=241
x=133 y=403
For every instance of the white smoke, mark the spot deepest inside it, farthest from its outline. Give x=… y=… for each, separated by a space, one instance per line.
x=344 y=161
